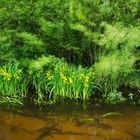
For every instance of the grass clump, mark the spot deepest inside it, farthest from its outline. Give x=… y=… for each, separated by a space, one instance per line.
x=12 y=82
x=56 y=79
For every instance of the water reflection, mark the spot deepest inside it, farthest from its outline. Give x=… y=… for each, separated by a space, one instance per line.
x=69 y=124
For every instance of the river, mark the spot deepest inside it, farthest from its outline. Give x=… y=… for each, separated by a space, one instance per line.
x=68 y=121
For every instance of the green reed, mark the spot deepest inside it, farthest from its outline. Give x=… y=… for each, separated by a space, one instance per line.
x=63 y=80
x=12 y=82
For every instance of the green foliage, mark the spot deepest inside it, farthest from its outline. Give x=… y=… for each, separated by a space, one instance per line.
x=118 y=36
x=6 y=51
x=102 y=34
x=116 y=64
x=28 y=45
x=114 y=98
x=53 y=30
x=69 y=29
x=12 y=82
x=53 y=80
x=117 y=60
x=113 y=70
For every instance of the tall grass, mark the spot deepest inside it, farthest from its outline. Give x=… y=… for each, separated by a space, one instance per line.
x=59 y=79
x=72 y=82
x=112 y=72
x=12 y=82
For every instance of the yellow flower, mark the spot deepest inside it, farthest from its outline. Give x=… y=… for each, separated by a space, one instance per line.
x=48 y=73
x=86 y=81
x=91 y=74
x=7 y=76
x=70 y=81
x=82 y=75
x=49 y=78
x=86 y=85
x=17 y=74
x=3 y=71
x=63 y=77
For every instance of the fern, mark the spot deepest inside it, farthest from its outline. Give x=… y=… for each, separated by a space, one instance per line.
x=133 y=38
x=117 y=34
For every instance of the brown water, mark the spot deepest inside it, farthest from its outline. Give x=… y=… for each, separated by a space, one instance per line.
x=69 y=122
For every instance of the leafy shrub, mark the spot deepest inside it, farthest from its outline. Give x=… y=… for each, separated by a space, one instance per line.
x=114 y=98
x=117 y=59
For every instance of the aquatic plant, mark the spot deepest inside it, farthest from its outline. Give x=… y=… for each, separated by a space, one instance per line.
x=62 y=80
x=12 y=81
x=110 y=114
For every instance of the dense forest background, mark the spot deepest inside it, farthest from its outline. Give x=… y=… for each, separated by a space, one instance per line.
x=102 y=34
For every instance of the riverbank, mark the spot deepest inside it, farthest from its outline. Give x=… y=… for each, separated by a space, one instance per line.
x=48 y=80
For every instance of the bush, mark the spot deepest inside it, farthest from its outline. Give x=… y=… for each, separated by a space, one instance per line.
x=114 y=98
